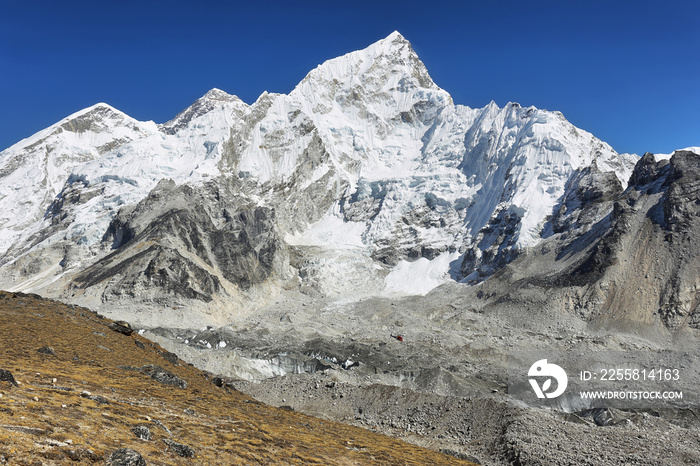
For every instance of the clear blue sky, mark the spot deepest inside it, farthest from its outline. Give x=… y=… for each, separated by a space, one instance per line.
x=627 y=71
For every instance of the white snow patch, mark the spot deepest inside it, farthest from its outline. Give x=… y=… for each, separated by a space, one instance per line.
x=420 y=276
x=658 y=157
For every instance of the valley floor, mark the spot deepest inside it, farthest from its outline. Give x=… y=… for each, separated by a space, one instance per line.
x=443 y=387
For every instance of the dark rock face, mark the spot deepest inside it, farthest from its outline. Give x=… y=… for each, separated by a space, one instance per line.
x=182 y=241
x=620 y=216
x=245 y=247
x=680 y=298
x=126 y=457
x=587 y=199
x=495 y=248
x=163 y=376
x=75 y=192
x=157 y=267
x=682 y=202
x=647 y=171
x=625 y=260
x=170 y=271
x=669 y=233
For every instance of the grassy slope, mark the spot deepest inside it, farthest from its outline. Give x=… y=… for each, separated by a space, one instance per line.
x=49 y=422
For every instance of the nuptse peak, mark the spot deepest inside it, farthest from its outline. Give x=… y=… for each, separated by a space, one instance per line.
x=364 y=176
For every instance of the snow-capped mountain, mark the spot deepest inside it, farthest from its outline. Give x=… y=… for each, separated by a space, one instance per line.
x=365 y=179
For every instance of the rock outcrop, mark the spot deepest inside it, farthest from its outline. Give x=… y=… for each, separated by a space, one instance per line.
x=126 y=457
x=626 y=260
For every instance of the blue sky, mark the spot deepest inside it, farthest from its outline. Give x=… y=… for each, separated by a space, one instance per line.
x=627 y=71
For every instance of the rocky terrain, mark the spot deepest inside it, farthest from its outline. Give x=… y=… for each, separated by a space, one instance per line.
x=76 y=389
x=599 y=284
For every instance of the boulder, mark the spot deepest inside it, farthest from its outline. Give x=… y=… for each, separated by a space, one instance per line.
x=180 y=449
x=46 y=350
x=142 y=432
x=170 y=357
x=125 y=457
x=159 y=374
x=6 y=376
x=122 y=327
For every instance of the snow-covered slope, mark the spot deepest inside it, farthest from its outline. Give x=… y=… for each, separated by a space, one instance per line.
x=66 y=183
x=33 y=172
x=367 y=165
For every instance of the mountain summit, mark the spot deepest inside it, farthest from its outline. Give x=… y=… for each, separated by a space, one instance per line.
x=365 y=180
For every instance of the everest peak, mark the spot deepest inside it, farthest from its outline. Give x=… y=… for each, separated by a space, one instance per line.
x=218 y=94
x=214 y=98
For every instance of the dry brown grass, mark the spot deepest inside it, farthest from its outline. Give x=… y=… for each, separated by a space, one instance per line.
x=45 y=422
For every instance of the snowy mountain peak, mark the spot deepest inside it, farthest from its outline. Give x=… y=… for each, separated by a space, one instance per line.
x=367 y=161
x=389 y=66
x=395 y=36
x=218 y=94
x=393 y=44
x=96 y=109
x=213 y=99
x=96 y=118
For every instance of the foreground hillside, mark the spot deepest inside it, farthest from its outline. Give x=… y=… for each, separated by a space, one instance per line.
x=84 y=390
